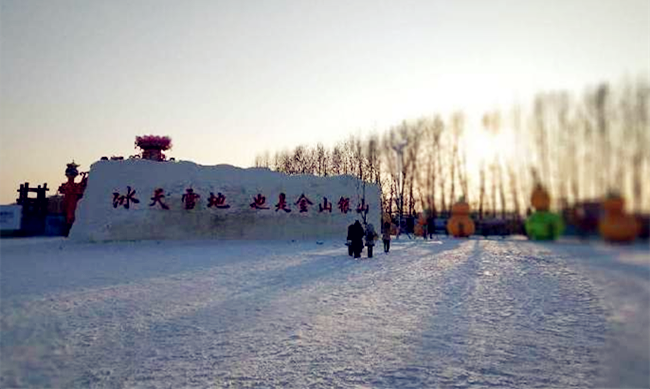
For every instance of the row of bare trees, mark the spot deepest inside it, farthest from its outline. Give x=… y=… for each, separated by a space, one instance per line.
x=580 y=148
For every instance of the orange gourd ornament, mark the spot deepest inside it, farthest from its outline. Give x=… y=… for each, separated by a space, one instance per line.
x=460 y=225
x=420 y=227
x=540 y=198
x=616 y=226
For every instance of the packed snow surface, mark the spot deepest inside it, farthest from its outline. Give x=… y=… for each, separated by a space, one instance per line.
x=260 y=314
x=140 y=199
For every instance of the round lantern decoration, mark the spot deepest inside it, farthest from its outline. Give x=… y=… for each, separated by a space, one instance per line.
x=616 y=226
x=543 y=224
x=460 y=225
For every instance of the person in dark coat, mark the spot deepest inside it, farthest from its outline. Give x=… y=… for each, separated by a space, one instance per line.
x=410 y=224
x=431 y=226
x=385 y=236
x=370 y=236
x=355 y=235
x=349 y=238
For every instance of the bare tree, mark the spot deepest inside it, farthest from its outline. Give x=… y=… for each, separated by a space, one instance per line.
x=358 y=158
x=413 y=135
x=390 y=173
x=441 y=176
x=635 y=110
x=337 y=160
x=578 y=148
x=601 y=102
x=399 y=142
x=541 y=132
x=481 y=199
x=373 y=159
x=321 y=160
x=642 y=152
x=456 y=126
x=502 y=192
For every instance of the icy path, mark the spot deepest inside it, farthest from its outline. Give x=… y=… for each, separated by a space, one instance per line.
x=455 y=313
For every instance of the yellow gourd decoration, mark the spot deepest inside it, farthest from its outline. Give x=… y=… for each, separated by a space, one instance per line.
x=460 y=225
x=616 y=226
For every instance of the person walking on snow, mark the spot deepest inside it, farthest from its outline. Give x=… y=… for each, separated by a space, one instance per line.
x=355 y=236
x=385 y=237
x=371 y=235
x=431 y=226
x=349 y=238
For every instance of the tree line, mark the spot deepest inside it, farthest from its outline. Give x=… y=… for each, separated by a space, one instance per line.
x=580 y=147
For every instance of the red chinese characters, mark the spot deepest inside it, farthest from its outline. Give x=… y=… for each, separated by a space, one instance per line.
x=259 y=202
x=158 y=196
x=125 y=200
x=303 y=203
x=282 y=203
x=326 y=206
x=190 y=198
x=218 y=201
x=344 y=204
x=363 y=207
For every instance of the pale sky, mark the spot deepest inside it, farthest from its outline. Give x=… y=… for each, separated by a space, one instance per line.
x=229 y=79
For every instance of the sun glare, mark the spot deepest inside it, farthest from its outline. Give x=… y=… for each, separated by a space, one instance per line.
x=483 y=147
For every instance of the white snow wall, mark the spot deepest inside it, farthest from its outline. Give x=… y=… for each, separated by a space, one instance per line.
x=97 y=219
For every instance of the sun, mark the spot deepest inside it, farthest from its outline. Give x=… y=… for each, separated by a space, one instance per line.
x=483 y=147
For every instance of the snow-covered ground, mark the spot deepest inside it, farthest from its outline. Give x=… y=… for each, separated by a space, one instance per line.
x=446 y=313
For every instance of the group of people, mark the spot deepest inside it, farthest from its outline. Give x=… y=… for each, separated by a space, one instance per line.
x=357 y=234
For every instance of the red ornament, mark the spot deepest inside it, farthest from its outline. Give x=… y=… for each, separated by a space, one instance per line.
x=152 y=146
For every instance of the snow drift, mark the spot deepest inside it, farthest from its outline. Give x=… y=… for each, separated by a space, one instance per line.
x=120 y=203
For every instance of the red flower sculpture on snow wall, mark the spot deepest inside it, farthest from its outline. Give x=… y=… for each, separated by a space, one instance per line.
x=152 y=146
